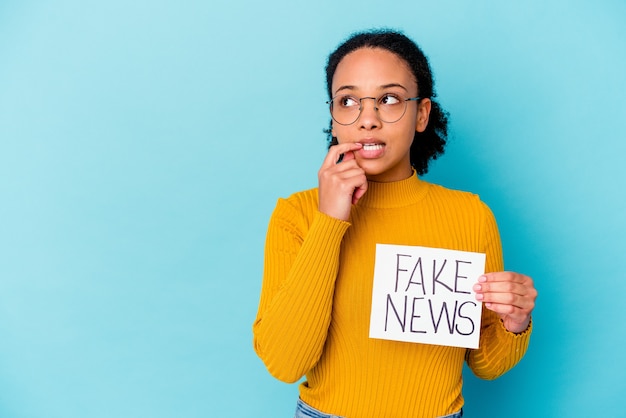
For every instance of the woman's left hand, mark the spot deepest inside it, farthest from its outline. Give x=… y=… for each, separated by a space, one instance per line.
x=510 y=295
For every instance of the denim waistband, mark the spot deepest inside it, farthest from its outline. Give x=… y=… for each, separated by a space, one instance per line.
x=304 y=410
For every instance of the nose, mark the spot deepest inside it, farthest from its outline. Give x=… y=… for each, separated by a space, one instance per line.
x=369 y=113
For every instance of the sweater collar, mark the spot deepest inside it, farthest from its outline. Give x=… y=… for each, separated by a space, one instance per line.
x=394 y=194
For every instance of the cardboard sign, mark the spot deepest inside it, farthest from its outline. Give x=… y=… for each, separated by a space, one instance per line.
x=424 y=295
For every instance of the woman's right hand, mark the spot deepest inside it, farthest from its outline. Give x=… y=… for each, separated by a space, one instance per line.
x=341 y=184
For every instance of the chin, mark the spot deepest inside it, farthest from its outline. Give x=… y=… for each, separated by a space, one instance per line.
x=376 y=173
x=372 y=169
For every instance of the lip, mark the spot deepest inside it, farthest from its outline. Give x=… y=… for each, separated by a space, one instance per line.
x=371 y=149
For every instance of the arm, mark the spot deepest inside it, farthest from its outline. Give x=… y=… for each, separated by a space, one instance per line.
x=506 y=328
x=297 y=293
x=301 y=265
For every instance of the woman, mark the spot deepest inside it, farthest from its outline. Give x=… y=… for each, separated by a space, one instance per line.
x=314 y=312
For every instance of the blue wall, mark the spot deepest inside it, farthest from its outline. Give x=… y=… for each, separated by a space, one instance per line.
x=143 y=146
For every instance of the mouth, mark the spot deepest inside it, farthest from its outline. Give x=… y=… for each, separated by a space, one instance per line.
x=372 y=150
x=372 y=147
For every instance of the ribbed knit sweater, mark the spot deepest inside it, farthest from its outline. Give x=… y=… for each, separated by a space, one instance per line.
x=314 y=311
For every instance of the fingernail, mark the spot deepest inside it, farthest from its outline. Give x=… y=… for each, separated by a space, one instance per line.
x=482 y=279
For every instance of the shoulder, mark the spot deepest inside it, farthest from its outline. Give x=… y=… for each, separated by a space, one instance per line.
x=303 y=201
x=469 y=213
x=297 y=210
x=446 y=194
x=464 y=204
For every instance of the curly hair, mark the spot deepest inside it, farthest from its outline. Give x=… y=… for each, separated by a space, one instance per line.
x=427 y=145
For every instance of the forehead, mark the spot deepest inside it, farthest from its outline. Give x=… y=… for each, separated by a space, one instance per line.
x=371 y=69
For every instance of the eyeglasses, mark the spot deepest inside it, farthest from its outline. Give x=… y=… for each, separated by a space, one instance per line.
x=346 y=109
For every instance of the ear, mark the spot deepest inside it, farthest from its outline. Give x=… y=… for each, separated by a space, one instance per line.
x=423 y=113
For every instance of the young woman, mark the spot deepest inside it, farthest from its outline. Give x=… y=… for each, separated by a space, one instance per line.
x=314 y=312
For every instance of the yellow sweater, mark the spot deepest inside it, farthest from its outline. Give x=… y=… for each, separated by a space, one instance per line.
x=314 y=312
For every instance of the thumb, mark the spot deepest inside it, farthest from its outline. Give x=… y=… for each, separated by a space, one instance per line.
x=358 y=193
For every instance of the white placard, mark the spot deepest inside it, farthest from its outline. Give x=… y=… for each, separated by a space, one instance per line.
x=424 y=295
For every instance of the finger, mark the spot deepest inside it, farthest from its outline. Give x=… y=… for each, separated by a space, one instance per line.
x=346 y=156
x=504 y=276
x=335 y=152
x=501 y=287
x=505 y=283
x=523 y=302
x=519 y=306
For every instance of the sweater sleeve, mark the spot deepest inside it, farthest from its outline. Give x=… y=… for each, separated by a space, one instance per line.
x=301 y=264
x=500 y=350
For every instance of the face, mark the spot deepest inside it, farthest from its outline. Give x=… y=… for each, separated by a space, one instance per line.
x=372 y=72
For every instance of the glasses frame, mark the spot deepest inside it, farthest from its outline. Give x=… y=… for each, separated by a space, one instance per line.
x=331 y=101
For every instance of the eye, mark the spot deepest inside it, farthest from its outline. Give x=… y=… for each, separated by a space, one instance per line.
x=347 y=101
x=389 y=99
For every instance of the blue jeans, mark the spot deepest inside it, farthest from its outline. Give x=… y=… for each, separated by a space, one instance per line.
x=304 y=410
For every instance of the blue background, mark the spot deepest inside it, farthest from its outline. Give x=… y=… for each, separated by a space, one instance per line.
x=143 y=146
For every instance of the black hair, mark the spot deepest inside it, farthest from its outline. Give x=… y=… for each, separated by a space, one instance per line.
x=427 y=145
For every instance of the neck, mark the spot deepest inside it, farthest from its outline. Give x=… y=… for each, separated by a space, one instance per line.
x=395 y=193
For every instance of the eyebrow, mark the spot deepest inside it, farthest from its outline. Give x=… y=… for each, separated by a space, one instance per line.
x=383 y=87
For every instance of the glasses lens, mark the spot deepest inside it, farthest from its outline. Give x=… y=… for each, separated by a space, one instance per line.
x=345 y=110
x=391 y=107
